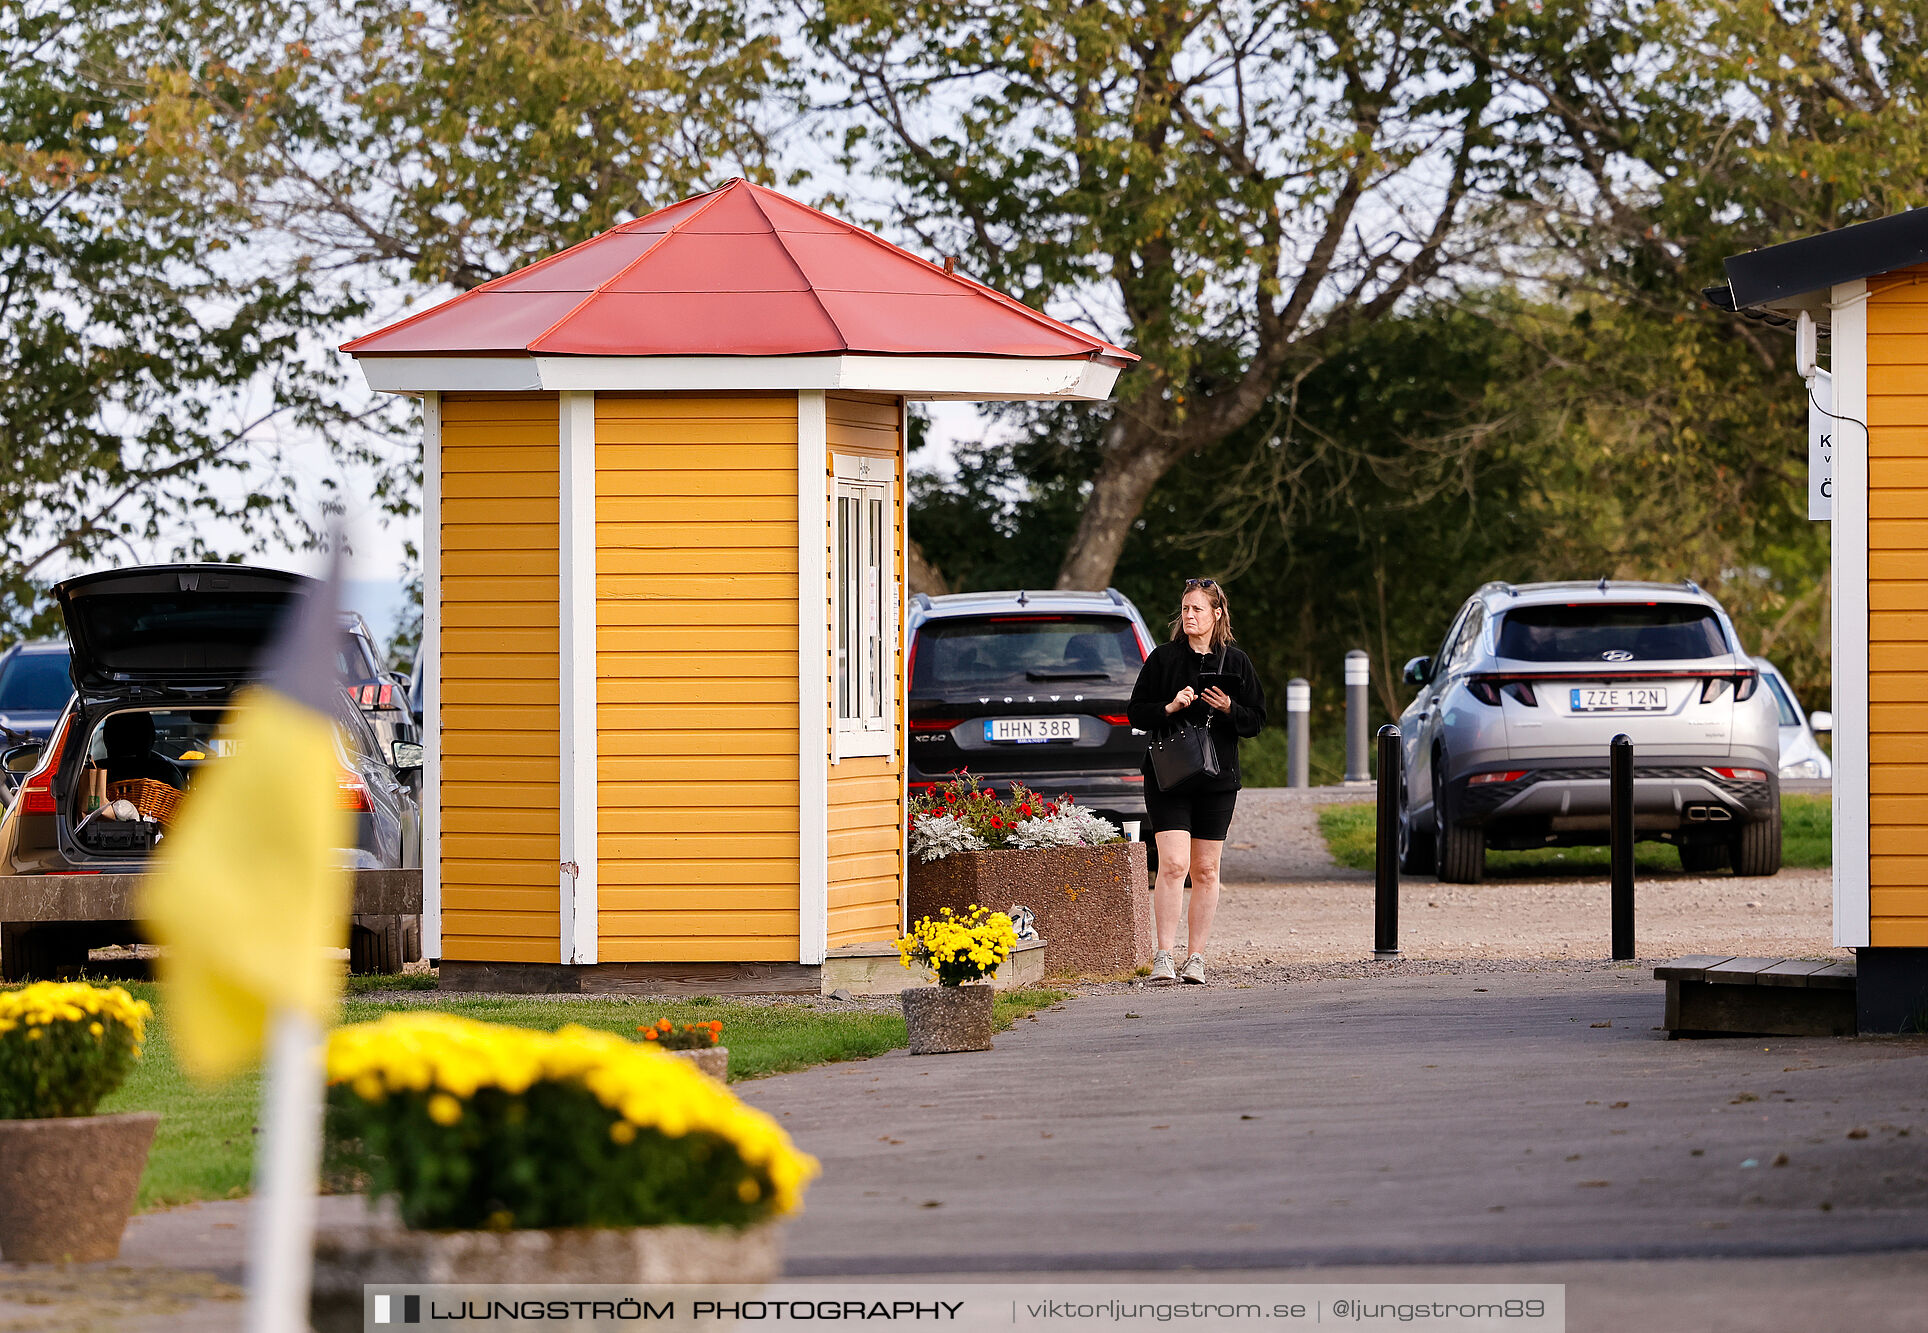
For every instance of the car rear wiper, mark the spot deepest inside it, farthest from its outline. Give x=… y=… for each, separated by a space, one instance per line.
x=1067 y=675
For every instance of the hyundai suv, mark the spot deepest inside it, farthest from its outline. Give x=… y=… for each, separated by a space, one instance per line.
x=1506 y=744
x=1029 y=687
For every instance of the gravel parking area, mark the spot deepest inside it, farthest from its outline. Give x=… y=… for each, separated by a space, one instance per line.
x=1286 y=906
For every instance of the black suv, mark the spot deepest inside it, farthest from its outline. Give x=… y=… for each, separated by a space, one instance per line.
x=1031 y=687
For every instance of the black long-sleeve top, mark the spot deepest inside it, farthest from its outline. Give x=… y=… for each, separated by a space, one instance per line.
x=1170 y=668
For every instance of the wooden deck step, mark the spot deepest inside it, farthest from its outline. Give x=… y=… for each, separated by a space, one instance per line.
x=1711 y=995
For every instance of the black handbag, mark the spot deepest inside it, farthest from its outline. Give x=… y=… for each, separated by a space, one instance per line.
x=1185 y=753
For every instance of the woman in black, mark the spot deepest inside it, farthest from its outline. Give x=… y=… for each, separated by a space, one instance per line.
x=1189 y=825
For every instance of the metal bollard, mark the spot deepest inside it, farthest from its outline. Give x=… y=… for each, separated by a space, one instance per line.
x=1620 y=843
x=1385 y=914
x=1298 y=745
x=1358 y=677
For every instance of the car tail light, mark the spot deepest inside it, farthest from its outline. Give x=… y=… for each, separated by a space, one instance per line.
x=1481 y=779
x=352 y=793
x=1485 y=691
x=934 y=723
x=1523 y=691
x=1739 y=774
x=1115 y=719
x=910 y=660
x=1744 y=683
x=37 y=792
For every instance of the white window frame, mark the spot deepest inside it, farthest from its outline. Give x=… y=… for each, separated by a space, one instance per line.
x=865 y=480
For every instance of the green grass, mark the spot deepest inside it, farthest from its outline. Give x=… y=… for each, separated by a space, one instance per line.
x=204 y=1148
x=1807 y=830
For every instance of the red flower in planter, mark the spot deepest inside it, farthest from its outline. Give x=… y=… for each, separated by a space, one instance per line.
x=1025 y=810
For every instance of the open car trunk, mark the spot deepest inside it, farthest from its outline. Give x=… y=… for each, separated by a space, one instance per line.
x=144 y=777
x=172 y=625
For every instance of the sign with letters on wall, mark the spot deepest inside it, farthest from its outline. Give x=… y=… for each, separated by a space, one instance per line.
x=1821 y=424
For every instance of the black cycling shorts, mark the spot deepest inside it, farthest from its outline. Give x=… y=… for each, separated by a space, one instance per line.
x=1206 y=815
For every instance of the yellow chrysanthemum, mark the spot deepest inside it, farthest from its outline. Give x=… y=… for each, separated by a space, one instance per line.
x=646 y=1089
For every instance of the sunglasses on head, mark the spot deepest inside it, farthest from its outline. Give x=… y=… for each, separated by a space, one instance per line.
x=1200 y=583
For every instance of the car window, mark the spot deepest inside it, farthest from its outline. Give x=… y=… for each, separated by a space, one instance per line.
x=1630 y=632
x=1025 y=650
x=356 y=659
x=35 y=683
x=1789 y=716
x=1468 y=635
x=1444 y=656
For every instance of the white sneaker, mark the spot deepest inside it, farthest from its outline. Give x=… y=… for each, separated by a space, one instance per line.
x=1161 y=967
x=1194 y=972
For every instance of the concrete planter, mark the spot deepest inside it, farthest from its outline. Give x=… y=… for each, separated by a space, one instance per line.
x=943 y=1019
x=67 y=1185
x=1092 y=904
x=712 y=1060
x=376 y=1249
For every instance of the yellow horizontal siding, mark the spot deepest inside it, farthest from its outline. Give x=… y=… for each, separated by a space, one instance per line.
x=696 y=671
x=500 y=780
x=1904 y=932
x=489 y=947
x=646 y=940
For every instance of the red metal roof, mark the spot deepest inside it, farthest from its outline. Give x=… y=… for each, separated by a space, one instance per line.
x=740 y=271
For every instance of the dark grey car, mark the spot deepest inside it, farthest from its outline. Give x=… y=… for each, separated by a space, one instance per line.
x=1029 y=687
x=1506 y=744
x=172 y=644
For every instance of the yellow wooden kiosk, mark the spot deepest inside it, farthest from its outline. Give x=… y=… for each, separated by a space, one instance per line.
x=663 y=493
x=1865 y=289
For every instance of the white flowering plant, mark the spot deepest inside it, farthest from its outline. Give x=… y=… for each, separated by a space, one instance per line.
x=1069 y=826
x=933 y=837
x=964 y=816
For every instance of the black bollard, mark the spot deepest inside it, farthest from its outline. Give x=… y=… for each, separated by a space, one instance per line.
x=1385 y=918
x=1620 y=843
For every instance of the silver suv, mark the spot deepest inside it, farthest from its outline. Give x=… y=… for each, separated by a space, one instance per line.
x=1506 y=744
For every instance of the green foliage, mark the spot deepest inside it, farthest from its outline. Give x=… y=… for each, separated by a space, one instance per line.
x=64 y=1046
x=204 y=1147
x=150 y=343
x=1807 y=824
x=540 y=1158
x=195 y=196
x=1807 y=832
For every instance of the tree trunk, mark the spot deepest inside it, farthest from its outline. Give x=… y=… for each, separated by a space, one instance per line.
x=922 y=574
x=1133 y=463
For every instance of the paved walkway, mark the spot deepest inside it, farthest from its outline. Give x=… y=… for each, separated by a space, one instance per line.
x=1527 y=1126
x=1385 y=1120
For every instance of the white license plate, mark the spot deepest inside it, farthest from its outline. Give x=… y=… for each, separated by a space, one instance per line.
x=1618 y=701
x=1030 y=730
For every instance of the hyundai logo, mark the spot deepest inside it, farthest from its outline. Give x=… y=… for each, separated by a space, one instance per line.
x=1617 y=655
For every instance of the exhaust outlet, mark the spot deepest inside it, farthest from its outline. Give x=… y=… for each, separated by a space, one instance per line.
x=1707 y=814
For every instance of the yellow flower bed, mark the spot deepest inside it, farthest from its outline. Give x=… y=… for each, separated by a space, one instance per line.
x=959 y=948
x=429 y=1076
x=64 y=1046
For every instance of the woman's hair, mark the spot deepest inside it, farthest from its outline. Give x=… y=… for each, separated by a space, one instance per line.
x=1214 y=594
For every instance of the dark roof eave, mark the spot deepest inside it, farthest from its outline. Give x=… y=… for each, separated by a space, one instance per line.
x=1780 y=273
x=1722 y=298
